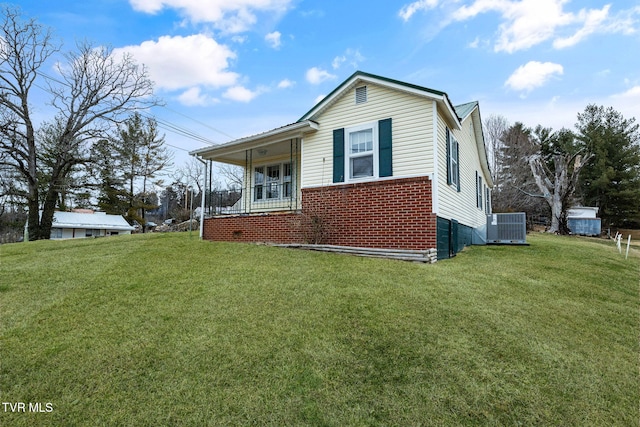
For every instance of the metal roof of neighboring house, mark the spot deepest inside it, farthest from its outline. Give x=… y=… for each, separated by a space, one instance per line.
x=97 y=220
x=582 y=212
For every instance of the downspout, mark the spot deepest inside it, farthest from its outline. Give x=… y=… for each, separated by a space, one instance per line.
x=204 y=192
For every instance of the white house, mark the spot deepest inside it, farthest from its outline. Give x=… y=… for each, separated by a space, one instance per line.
x=377 y=163
x=86 y=223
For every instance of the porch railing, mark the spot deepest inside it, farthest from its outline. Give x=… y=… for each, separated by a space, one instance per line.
x=262 y=198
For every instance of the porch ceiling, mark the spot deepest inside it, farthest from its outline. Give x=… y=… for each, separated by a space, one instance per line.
x=272 y=143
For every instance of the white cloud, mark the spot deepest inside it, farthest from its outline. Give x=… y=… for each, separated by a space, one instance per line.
x=171 y=61
x=240 y=93
x=239 y=39
x=526 y=23
x=352 y=57
x=193 y=97
x=316 y=75
x=633 y=93
x=273 y=39
x=286 y=83
x=408 y=10
x=532 y=75
x=229 y=16
x=593 y=21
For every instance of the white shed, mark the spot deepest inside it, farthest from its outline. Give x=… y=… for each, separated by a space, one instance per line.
x=75 y=225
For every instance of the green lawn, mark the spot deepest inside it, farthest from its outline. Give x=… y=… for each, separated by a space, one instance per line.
x=164 y=329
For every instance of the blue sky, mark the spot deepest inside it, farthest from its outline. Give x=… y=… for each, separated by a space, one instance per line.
x=228 y=69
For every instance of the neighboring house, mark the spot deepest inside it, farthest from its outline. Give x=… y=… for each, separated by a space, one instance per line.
x=377 y=163
x=86 y=223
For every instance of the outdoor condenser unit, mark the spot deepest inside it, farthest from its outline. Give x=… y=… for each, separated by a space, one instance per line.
x=507 y=228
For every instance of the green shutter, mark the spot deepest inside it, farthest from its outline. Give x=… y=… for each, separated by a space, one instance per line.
x=458 y=163
x=384 y=148
x=338 y=155
x=447 y=143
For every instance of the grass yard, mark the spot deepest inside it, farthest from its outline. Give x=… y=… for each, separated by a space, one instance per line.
x=161 y=329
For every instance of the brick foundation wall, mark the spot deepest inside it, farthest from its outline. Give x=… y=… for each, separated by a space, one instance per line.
x=268 y=228
x=394 y=214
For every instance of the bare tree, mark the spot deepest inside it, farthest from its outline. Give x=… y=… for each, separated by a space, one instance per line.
x=93 y=89
x=556 y=166
x=495 y=128
x=190 y=175
x=234 y=175
x=515 y=190
x=25 y=47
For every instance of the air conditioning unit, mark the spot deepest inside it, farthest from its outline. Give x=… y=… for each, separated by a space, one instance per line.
x=507 y=228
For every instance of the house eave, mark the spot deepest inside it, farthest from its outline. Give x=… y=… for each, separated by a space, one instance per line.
x=482 y=146
x=359 y=77
x=222 y=152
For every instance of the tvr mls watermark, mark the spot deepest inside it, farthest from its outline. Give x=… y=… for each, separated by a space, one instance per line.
x=40 y=407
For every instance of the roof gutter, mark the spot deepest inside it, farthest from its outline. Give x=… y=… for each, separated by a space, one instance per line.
x=255 y=141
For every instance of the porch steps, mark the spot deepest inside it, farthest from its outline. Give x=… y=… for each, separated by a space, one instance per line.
x=427 y=256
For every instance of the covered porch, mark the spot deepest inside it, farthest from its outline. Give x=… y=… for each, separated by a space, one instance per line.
x=270 y=164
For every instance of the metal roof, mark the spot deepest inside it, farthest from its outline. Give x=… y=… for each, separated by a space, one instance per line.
x=282 y=133
x=464 y=110
x=97 y=220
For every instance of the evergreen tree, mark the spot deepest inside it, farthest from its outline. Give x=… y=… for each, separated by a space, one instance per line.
x=612 y=179
x=142 y=156
x=112 y=197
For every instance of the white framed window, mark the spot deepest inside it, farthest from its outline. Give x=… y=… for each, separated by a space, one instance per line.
x=258 y=183
x=362 y=151
x=272 y=182
x=453 y=161
x=287 y=185
x=56 y=233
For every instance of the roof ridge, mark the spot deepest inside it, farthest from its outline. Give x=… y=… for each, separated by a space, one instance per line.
x=360 y=73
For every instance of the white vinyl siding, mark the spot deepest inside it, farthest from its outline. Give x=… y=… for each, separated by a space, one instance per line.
x=463 y=205
x=412 y=132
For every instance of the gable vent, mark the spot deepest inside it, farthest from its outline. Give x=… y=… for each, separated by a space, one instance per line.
x=361 y=95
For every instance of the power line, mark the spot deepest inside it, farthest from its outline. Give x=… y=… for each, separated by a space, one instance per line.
x=199 y=122
x=164 y=124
